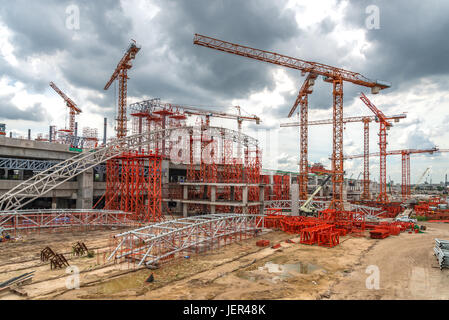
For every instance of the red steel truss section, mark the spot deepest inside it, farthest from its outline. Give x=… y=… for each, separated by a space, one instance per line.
x=289 y=62
x=337 y=152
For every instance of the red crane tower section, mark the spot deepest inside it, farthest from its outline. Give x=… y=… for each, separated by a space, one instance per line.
x=73 y=109
x=121 y=72
x=336 y=76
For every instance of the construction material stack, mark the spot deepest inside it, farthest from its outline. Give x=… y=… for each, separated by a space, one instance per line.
x=442 y=252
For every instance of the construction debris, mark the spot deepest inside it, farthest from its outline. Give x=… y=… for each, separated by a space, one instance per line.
x=263 y=243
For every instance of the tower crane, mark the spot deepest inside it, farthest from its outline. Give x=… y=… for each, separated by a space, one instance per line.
x=121 y=72
x=384 y=125
x=73 y=109
x=405 y=188
x=333 y=75
x=366 y=120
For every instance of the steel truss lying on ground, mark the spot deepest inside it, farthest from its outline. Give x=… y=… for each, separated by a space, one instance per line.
x=40 y=184
x=163 y=241
x=62 y=218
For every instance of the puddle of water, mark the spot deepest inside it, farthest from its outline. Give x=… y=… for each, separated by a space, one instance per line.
x=285 y=269
x=280 y=272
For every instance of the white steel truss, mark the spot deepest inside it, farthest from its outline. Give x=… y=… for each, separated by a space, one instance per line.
x=287 y=204
x=370 y=212
x=60 y=218
x=165 y=240
x=40 y=184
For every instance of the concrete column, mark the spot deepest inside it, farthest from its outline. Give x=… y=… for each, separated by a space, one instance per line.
x=185 y=205
x=232 y=198
x=54 y=203
x=295 y=199
x=345 y=190
x=262 y=199
x=165 y=170
x=245 y=200
x=20 y=174
x=213 y=198
x=105 y=129
x=84 y=199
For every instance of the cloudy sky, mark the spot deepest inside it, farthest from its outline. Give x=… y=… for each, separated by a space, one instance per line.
x=41 y=41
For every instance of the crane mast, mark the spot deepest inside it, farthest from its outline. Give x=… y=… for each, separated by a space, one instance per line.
x=121 y=72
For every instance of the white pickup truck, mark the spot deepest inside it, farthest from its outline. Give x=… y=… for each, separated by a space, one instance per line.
x=405 y=219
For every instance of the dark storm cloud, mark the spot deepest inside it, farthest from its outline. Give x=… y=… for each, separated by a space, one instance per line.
x=207 y=75
x=169 y=66
x=39 y=28
x=8 y=111
x=411 y=42
x=181 y=72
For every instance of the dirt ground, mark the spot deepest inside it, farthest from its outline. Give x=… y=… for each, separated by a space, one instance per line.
x=407 y=269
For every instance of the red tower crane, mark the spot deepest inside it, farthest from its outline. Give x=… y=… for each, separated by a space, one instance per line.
x=384 y=125
x=405 y=187
x=336 y=76
x=73 y=109
x=121 y=72
x=366 y=120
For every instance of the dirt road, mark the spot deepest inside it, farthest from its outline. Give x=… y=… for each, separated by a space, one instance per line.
x=407 y=270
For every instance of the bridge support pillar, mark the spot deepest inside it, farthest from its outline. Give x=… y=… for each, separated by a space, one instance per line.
x=185 y=205
x=213 y=198
x=84 y=199
x=295 y=199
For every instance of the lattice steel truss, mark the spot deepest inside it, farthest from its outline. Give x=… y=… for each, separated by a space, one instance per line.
x=42 y=183
x=287 y=204
x=62 y=218
x=166 y=240
x=36 y=165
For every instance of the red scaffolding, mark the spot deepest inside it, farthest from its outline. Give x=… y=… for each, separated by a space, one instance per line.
x=134 y=185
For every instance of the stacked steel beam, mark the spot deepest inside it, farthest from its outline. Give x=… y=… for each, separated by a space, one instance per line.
x=441 y=251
